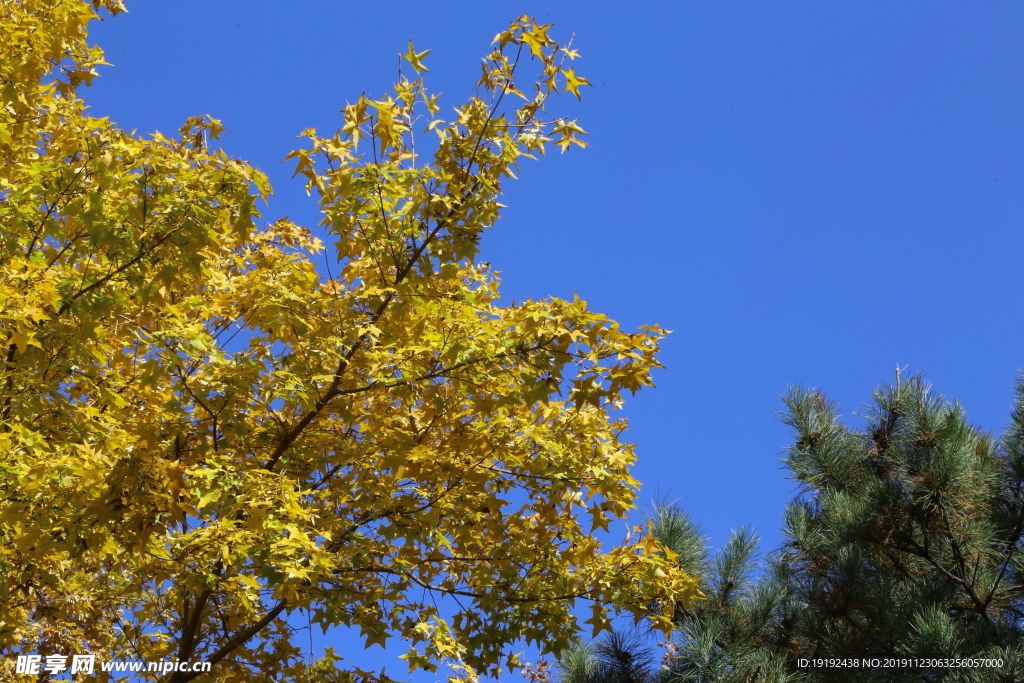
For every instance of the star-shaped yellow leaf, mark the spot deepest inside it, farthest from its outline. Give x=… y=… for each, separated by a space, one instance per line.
x=573 y=82
x=416 y=58
x=568 y=131
x=538 y=39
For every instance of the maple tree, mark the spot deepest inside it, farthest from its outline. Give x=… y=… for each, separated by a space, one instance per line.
x=200 y=435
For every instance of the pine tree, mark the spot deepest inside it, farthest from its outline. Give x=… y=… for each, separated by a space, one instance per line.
x=615 y=657
x=904 y=542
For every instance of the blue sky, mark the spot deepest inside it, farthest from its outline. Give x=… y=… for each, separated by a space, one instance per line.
x=804 y=192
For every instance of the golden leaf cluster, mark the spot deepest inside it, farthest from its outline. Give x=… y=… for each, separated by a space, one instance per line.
x=201 y=435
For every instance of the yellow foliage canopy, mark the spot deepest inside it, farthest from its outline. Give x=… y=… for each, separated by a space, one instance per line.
x=199 y=434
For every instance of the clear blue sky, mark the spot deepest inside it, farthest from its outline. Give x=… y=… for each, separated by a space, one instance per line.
x=803 y=191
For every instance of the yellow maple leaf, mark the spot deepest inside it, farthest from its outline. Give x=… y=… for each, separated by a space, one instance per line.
x=573 y=82
x=416 y=58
